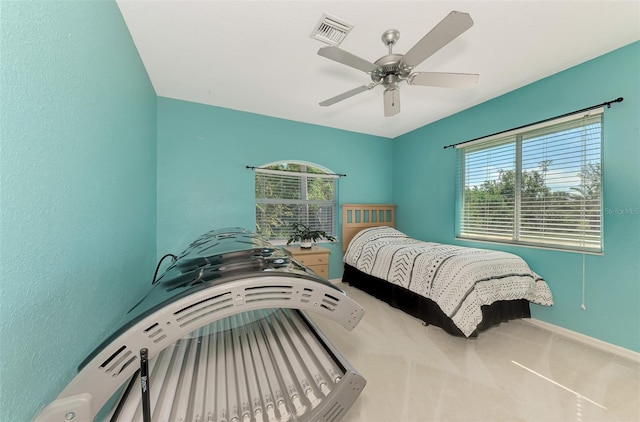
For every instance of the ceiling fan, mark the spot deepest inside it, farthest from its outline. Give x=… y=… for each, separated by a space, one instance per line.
x=392 y=69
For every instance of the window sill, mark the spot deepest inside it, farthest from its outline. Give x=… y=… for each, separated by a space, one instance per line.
x=530 y=245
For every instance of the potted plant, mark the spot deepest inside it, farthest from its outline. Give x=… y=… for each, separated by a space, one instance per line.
x=306 y=236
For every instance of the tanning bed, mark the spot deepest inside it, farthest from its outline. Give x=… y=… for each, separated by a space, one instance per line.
x=227 y=339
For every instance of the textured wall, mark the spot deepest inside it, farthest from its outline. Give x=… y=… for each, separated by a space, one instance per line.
x=424 y=189
x=78 y=179
x=202 y=179
x=78 y=186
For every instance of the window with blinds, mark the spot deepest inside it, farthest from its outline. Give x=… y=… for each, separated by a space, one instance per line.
x=539 y=185
x=287 y=193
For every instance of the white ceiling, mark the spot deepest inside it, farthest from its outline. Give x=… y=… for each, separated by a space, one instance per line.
x=257 y=56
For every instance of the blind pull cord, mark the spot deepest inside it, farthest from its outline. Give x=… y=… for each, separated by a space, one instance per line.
x=584 y=285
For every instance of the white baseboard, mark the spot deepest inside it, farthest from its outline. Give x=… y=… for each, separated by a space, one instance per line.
x=591 y=341
x=582 y=338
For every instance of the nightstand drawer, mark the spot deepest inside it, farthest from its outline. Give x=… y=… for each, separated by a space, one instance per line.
x=314 y=259
x=321 y=270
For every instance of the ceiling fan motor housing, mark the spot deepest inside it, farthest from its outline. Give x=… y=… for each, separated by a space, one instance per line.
x=390 y=65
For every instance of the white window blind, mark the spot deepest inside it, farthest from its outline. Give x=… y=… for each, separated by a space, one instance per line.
x=540 y=185
x=283 y=197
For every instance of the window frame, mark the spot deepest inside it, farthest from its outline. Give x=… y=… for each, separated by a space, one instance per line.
x=516 y=137
x=318 y=172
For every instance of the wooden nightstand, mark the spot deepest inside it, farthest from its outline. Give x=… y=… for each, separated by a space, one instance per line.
x=316 y=258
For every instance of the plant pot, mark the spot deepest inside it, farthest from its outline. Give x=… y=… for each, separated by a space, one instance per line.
x=306 y=244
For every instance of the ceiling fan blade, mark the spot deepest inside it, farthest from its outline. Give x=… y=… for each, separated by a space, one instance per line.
x=449 y=28
x=391 y=102
x=344 y=57
x=346 y=95
x=443 y=79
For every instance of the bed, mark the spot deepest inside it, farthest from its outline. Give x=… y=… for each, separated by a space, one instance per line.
x=462 y=290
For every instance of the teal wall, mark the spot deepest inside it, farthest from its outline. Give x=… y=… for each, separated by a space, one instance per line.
x=98 y=178
x=203 y=182
x=78 y=190
x=424 y=190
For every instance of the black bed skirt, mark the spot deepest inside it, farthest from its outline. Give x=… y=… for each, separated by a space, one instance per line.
x=426 y=309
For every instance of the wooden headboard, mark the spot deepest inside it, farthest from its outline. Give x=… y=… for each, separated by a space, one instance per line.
x=356 y=217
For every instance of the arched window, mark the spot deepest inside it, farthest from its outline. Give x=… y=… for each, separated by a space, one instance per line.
x=290 y=192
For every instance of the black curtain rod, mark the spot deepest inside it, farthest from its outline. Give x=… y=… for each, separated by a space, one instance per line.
x=607 y=103
x=305 y=172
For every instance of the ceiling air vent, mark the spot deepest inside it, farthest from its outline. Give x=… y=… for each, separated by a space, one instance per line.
x=331 y=30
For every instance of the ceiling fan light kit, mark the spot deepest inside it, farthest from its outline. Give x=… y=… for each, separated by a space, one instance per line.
x=392 y=69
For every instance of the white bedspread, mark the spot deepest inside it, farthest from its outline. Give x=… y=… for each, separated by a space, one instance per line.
x=459 y=279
